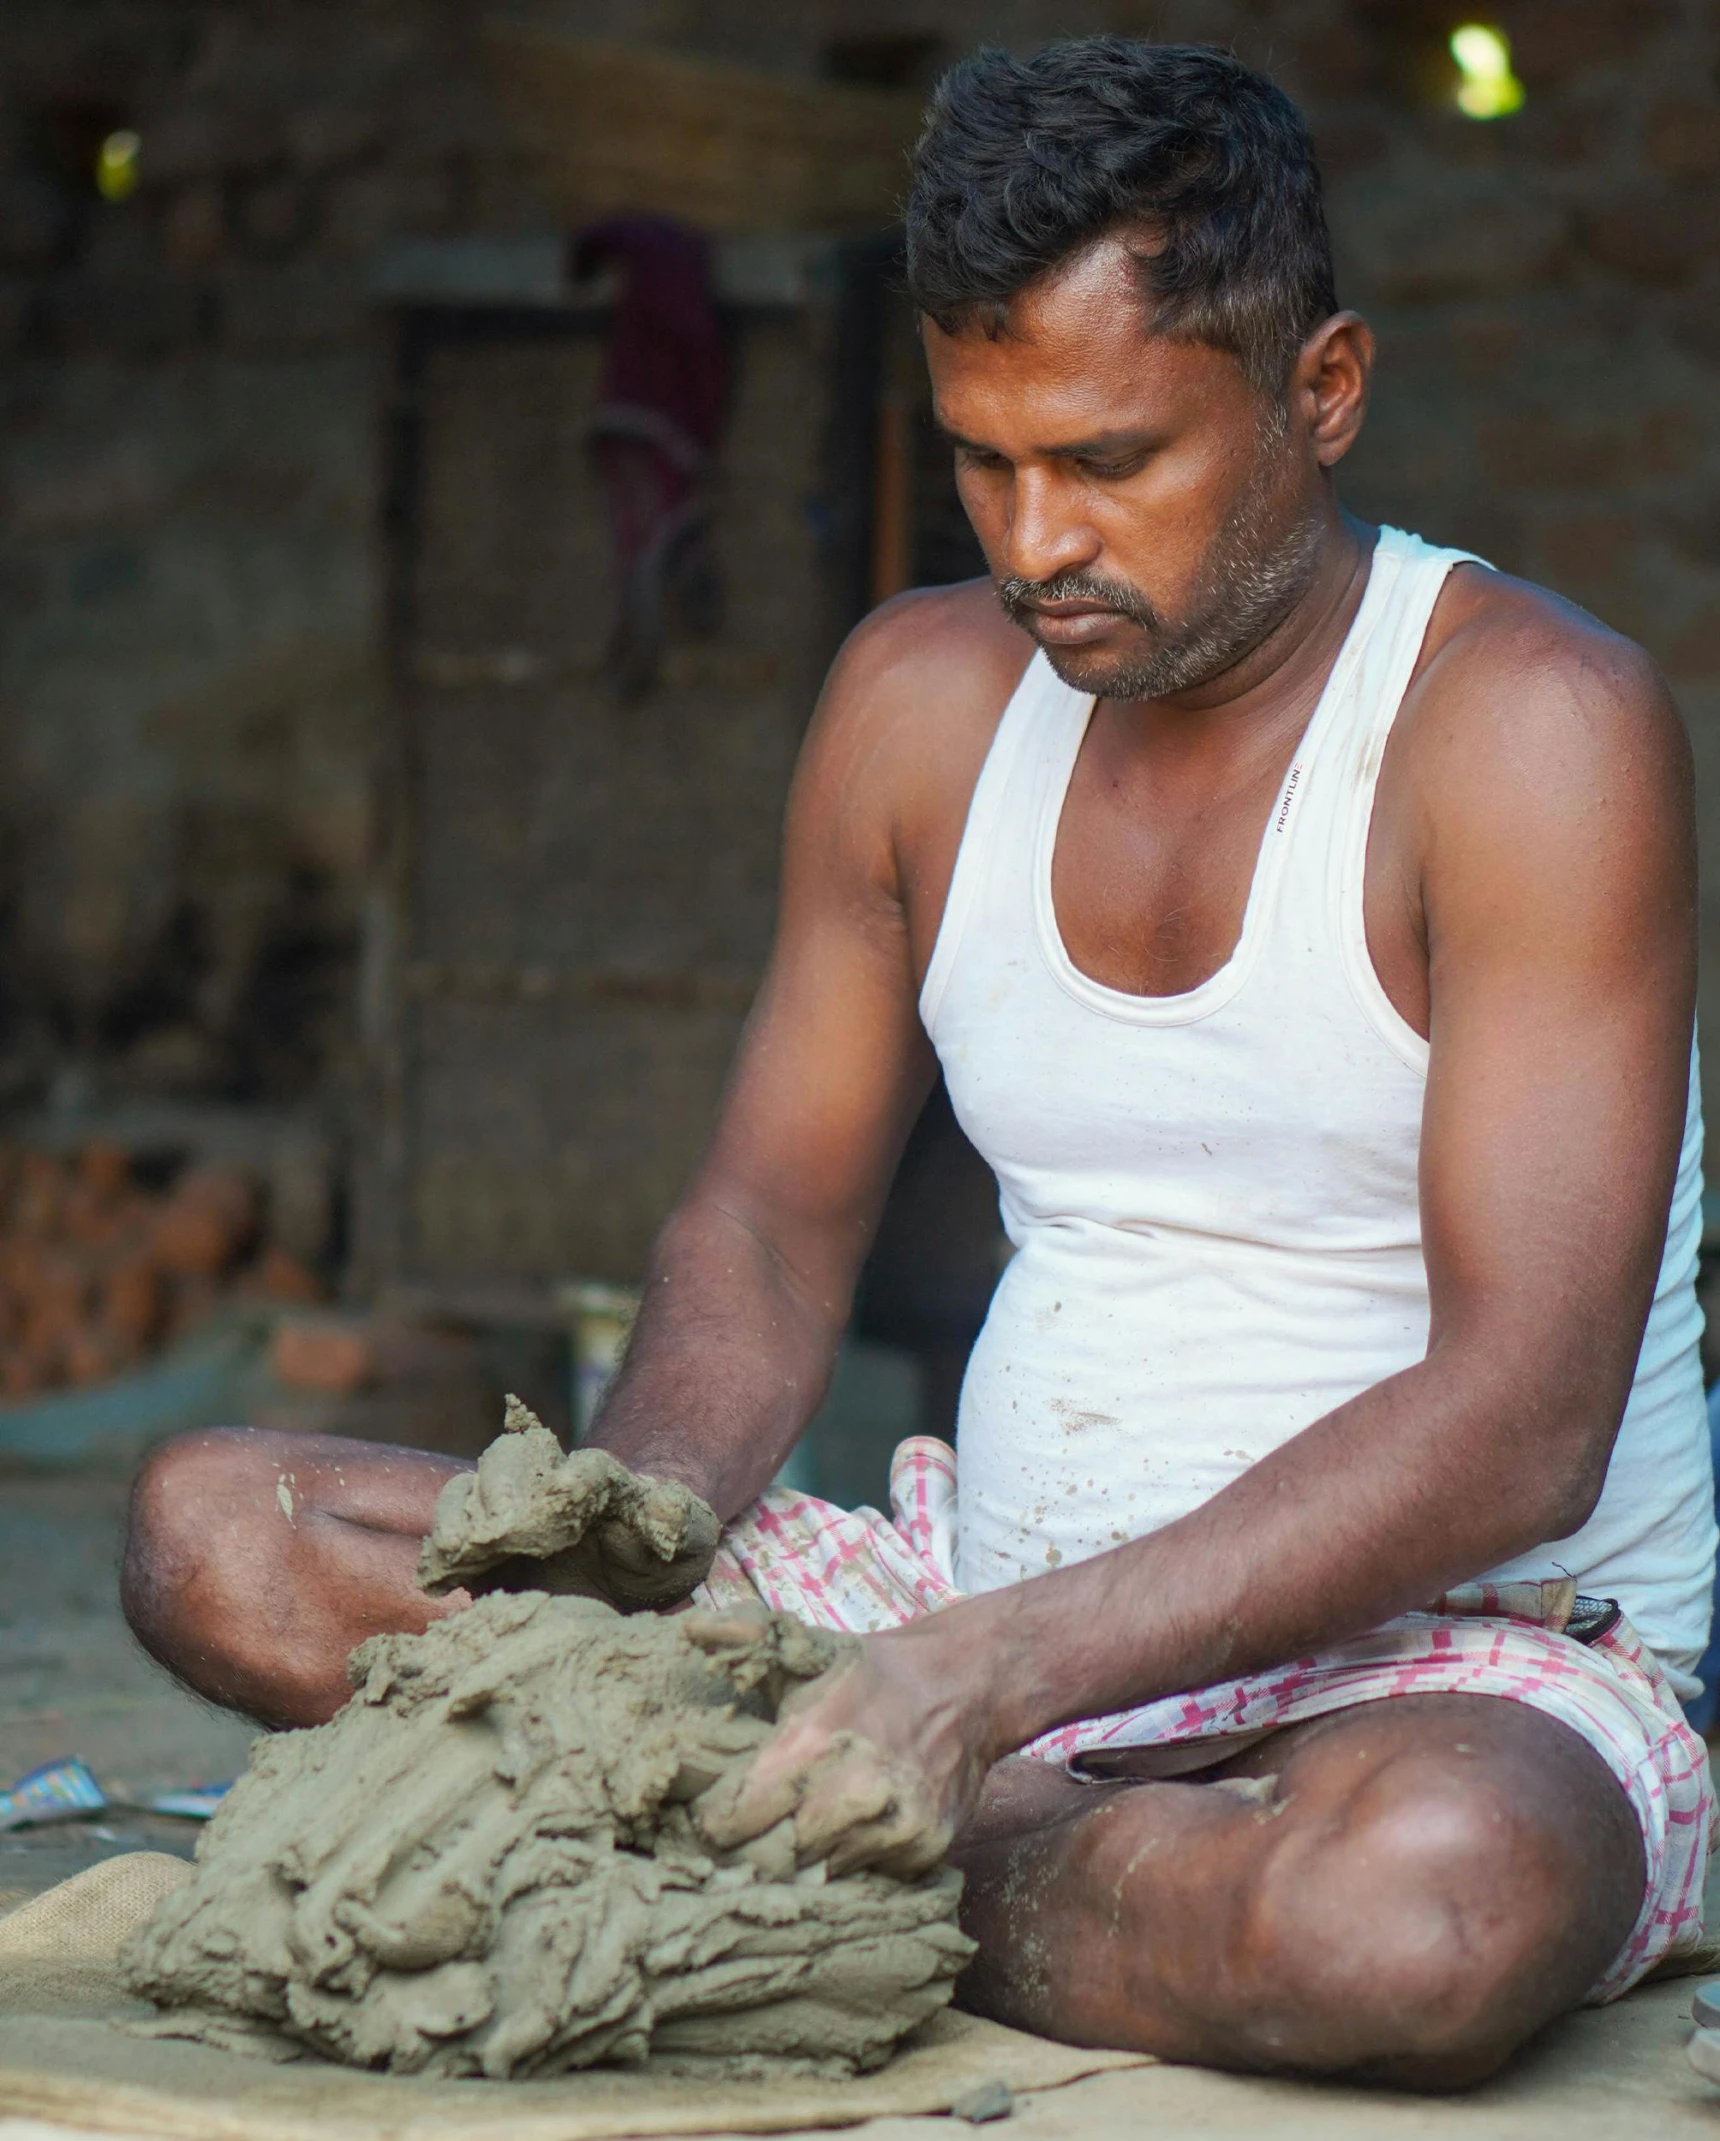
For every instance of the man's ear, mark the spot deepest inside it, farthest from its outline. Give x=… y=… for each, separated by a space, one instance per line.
x=1328 y=387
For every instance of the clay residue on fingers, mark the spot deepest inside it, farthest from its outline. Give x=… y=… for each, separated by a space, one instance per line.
x=533 y=1517
x=492 y=1862
x=852 y=1803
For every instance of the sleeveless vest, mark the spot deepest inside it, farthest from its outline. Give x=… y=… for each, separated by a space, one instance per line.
x=1213 y=1196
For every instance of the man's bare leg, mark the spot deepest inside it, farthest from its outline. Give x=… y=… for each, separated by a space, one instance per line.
x=1404 y=1891
x=255 y=1561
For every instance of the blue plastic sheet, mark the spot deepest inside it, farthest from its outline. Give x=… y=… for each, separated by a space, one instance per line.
x=67 y=1791
x=196 y=1804
x=58 y=1791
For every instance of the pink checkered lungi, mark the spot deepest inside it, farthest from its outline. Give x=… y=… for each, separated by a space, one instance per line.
x=857 y=1570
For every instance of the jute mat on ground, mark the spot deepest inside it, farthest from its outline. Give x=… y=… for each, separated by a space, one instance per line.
x=65 y=2057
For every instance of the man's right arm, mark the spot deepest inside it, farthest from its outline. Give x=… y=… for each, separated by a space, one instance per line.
x=750 y=1281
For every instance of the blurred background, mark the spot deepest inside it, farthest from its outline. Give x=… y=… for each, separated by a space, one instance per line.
x=441 y=449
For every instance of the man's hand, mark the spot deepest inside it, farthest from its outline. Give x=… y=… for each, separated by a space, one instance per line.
x=878 y=1762
x=532 y=1518
x=655 y=1552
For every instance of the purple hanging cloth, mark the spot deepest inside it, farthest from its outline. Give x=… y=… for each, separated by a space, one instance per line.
x=655 y=429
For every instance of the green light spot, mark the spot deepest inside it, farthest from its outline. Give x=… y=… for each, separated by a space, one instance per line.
x=1487 y=89
x=117 y=165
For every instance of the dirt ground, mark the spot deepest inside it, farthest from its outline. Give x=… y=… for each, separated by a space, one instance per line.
x=73 y=1683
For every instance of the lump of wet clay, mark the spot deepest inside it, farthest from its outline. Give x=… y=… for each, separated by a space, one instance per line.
x=532 y=1517
x=490 y=1863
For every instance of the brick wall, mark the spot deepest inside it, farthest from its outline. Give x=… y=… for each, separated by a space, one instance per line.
x=187 y=450
x=187 y=399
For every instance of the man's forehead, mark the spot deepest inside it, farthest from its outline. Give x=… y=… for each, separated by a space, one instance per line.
x=1106 y=279
x=1077 y=374
x=1096 y=294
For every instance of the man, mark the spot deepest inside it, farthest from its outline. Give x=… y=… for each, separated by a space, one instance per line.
x=1306 y=931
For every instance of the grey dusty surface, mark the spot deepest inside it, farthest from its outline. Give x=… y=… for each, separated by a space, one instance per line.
x=71 y=1682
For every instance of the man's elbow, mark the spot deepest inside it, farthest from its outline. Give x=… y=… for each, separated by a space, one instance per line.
x=1566 y=1488
x=1569 y=1506
x=1540 y=1441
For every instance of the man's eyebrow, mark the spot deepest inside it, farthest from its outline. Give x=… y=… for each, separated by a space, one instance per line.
x=1102 y=446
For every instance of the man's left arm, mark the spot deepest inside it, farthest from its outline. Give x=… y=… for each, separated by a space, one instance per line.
x=1551 y=830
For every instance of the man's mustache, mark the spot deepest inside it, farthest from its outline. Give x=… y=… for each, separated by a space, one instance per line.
x=1020 y=597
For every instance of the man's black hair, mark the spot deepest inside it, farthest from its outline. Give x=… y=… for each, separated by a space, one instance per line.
x=1023 y=162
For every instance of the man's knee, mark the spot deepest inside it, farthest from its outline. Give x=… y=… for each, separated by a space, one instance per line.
x=1420 y=1931
x=200 y=1553
x=169 y=1541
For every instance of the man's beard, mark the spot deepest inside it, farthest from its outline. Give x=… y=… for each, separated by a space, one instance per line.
x=1250 y=580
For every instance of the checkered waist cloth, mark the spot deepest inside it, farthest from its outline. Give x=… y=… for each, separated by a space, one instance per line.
x=1535 y=1643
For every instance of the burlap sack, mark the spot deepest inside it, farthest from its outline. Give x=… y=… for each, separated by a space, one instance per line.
x=66 y=2057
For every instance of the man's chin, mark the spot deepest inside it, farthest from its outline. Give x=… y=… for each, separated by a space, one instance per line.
x=1102 y=672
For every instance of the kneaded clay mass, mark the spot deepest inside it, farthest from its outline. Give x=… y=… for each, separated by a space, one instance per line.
x=533 y=1517
x=489 y=1863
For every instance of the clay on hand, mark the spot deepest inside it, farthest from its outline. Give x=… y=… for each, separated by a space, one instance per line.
x=852 y=1804
x=535 y=1518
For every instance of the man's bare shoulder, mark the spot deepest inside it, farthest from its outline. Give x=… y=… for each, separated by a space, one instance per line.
x=948 y=654
x=905 y=720
x=1526 y=705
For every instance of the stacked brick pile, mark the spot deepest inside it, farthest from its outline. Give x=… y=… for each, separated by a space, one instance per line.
x=97 y=1272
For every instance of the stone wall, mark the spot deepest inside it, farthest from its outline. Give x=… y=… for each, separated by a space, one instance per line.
x=188 y=400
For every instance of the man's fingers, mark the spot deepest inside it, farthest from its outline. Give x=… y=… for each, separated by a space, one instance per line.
x=684 y=1522
x=533 y=1516
x=845 y=1790
x=860 y=1807
x=850 y=1804
x=716 y=1632
x=665 y=1523
x=775 y=1784
x=659 y=1546
x=894 y=1846
x=744 y=1804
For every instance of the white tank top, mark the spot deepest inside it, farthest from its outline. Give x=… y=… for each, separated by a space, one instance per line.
x=1212 y=1196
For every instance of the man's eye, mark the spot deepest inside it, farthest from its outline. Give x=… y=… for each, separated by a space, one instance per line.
x=977 y=457
x=1113 y=471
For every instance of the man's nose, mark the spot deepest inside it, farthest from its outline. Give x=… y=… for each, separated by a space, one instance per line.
x=1048 y=532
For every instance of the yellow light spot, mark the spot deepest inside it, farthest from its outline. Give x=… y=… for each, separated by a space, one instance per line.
x=117 y=165
x=1487 y=89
